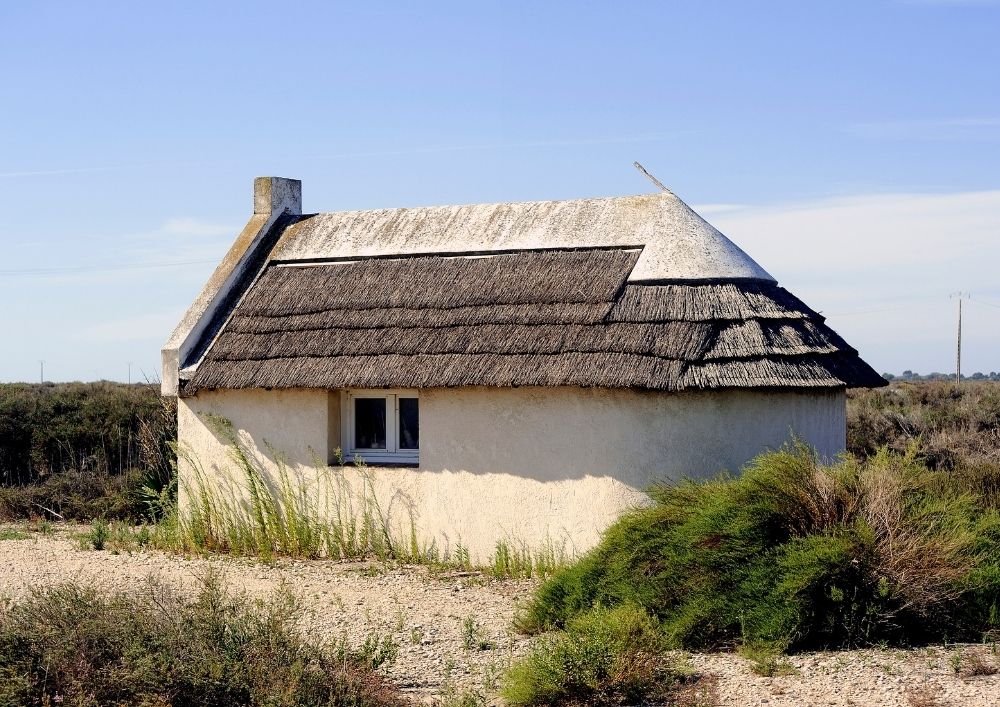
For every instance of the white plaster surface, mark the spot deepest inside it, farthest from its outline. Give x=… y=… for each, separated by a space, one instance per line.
x=528 y=465
x=679 y=244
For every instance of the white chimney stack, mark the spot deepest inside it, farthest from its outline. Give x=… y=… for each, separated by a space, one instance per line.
x=274 y=195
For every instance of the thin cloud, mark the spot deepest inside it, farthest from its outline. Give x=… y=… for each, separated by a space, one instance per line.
x=418 y=150
x=155 y=326
x=195 y=227
x=54 y=172
x=195 y=246
x=982 y=129
x=713 y=209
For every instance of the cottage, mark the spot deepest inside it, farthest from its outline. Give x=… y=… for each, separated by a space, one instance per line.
x=513 y=371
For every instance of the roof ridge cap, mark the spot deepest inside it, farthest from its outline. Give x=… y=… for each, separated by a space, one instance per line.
x=485 y=204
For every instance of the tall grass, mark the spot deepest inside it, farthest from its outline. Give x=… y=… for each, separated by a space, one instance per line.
x=248 y=510
x=256 y=510
x=795 y=554
x=518 y=560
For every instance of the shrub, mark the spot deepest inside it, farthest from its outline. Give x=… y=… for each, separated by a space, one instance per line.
x=604 y=657
x=79 y=451
x=104 y=428
x=954 y=426
x=75 y=645
x=795 y=554
x=97 y=538
x=76 y=495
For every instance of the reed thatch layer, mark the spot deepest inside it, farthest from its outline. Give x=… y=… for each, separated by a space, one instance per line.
x=774 y=337
x=829 y=371
x=570 y=319
x=608 y=370
x=584 y=276
x=702 y=303
x=675 y=340
x=525 y=314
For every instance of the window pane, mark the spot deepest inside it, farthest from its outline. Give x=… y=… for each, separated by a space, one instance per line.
x=409 y=424
x=369 y=423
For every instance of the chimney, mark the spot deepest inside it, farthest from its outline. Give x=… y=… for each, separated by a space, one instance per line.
x=274 y=195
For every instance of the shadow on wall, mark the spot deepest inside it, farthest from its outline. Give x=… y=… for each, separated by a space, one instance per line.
x=267 y=509
x=547 y=434
x=636 y=437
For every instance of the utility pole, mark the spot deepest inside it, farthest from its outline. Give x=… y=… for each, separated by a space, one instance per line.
x=41 y=371
x=958 y=350
x=130 y=373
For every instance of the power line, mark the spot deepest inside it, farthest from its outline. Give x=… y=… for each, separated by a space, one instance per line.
x=70 y=269
x=868 y=311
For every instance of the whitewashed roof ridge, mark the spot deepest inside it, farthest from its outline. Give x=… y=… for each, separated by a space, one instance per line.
x=678 y=244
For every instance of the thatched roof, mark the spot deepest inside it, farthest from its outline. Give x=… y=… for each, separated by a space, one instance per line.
x=536 y=317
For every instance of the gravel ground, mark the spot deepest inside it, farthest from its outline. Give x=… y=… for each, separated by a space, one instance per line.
x=425 y=614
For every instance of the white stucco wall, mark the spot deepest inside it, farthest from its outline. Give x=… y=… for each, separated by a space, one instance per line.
x=529 y=465
x=290 y=422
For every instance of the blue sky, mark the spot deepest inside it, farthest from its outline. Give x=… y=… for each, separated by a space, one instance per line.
x=852 y=148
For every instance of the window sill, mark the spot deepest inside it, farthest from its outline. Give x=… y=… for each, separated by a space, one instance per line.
x=382 y=459
x=380 y=465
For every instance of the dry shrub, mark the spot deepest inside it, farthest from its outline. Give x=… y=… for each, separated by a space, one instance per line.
x=924 y=542
x=925 y=696
x=976 y=665
x=953 y=426
x=74 y=645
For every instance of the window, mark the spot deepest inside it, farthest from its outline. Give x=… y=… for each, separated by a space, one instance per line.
x=381 y=426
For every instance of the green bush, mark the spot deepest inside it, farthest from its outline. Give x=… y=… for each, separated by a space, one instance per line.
x=604 y=657
x=104 y=427
x=795 y=554
x=75 y=645
x=84 y=450
x=75 y=495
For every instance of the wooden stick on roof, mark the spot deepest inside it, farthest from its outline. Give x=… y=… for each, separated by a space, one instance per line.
x=651 y=178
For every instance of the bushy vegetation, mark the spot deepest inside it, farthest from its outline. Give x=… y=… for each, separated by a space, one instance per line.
x=77 y=495
x=604 y=657
x=956 y=427
x=796 y=555
x=74 y=645
x=80 y=451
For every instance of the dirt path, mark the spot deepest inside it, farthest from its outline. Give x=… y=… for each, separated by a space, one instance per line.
x=426 y=615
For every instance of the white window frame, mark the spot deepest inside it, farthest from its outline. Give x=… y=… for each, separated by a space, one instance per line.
x=392 y=454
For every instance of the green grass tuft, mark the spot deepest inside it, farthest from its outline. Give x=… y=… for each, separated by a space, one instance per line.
x=13 y=534
x=604 y=657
